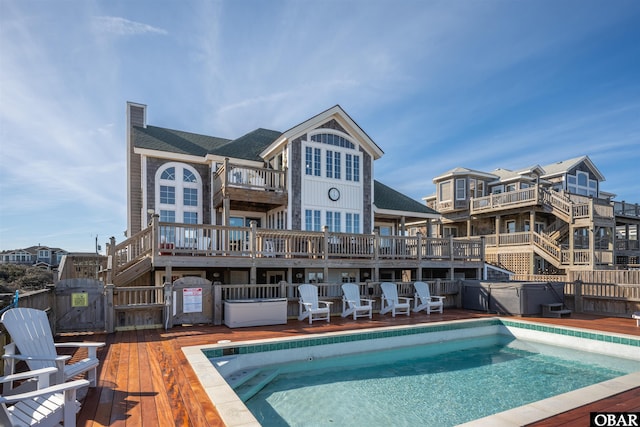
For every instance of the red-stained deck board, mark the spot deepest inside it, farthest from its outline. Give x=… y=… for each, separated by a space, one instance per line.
x=145 y=380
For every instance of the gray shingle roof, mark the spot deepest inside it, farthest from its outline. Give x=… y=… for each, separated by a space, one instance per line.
x=388 y=198
x=176 y=141
x=246 y=147
x=249 y=146
x=562 y=166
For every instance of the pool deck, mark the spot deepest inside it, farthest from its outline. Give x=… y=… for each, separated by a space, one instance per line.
x=146 y=380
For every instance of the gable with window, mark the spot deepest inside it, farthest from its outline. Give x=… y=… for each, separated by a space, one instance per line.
x=581 y=184
x=333 y=148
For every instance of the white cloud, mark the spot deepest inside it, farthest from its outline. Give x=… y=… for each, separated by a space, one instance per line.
x=124 y=27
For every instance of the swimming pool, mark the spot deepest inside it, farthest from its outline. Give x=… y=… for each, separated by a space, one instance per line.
x=237 y=361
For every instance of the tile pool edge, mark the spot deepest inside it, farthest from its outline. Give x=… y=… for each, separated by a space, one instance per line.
x=556 y=405
x=235 y=413
x=230 y=407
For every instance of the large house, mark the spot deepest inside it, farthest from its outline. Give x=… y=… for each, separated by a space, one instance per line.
x=299 y=205
x=38 y=256
x=540 y=219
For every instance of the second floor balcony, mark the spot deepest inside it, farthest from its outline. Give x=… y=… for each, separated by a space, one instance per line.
x=246 y=186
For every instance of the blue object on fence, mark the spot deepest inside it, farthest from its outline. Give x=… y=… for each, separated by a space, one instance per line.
x=13 y=304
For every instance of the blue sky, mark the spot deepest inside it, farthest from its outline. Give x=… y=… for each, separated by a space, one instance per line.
x=437 y=84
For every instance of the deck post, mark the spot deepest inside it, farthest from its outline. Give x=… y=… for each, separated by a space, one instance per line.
x=253 y=251
x=577 y=296
x=283 y=289
x=376 y=256
x=217 y=303
x=419 y=254
x=168 y=304
x=111 y=258
x=155 y=237
x=451 y=251
x=325 y=252
x=109 y=312
x=253 y=239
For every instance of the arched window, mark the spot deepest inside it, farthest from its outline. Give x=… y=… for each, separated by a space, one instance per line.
x=341 y=158
x=179 y=200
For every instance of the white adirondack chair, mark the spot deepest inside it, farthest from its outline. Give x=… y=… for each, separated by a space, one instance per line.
x=353 y=303
x=33 y=340
x=47 y=406
x=425 y=301
x=391 y=302
x=310 y=306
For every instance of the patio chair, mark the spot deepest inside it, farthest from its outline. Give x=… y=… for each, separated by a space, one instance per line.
x=425 y=301
x=46 y=406
x=310 y=306
x=391 y=302
x=33 y=343
x=353 y=303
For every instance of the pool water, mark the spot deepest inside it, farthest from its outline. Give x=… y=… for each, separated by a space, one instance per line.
x=441 y=384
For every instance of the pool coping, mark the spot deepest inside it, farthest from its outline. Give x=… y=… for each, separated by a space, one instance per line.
x=235 y=413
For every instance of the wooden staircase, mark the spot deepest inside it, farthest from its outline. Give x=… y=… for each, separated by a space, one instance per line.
x=131 y=258
x=128 y=275
x=557 y=230
x=547 y=249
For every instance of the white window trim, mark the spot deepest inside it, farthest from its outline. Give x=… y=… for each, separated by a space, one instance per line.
x=334 y=149
x=179 y=208
x=461 y=188
x=448 y=197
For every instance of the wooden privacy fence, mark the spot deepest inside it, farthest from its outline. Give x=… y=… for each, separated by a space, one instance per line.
x=602 y=298
x=196 y=300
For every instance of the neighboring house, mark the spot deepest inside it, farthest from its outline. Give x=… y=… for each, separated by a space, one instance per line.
x=40 y=256
x=540 y=219
x=301 y=204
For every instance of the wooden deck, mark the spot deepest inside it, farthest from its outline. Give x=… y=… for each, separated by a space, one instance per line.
x=145 y=379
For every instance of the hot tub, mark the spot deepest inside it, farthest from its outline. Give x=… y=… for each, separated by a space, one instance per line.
x=255 y=312
x=515 y=298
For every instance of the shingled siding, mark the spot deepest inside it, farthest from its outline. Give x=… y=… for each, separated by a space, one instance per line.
x=367 y=193
x=334 y=125
x=295 y=190
x=136 y=118
x=153 y=164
